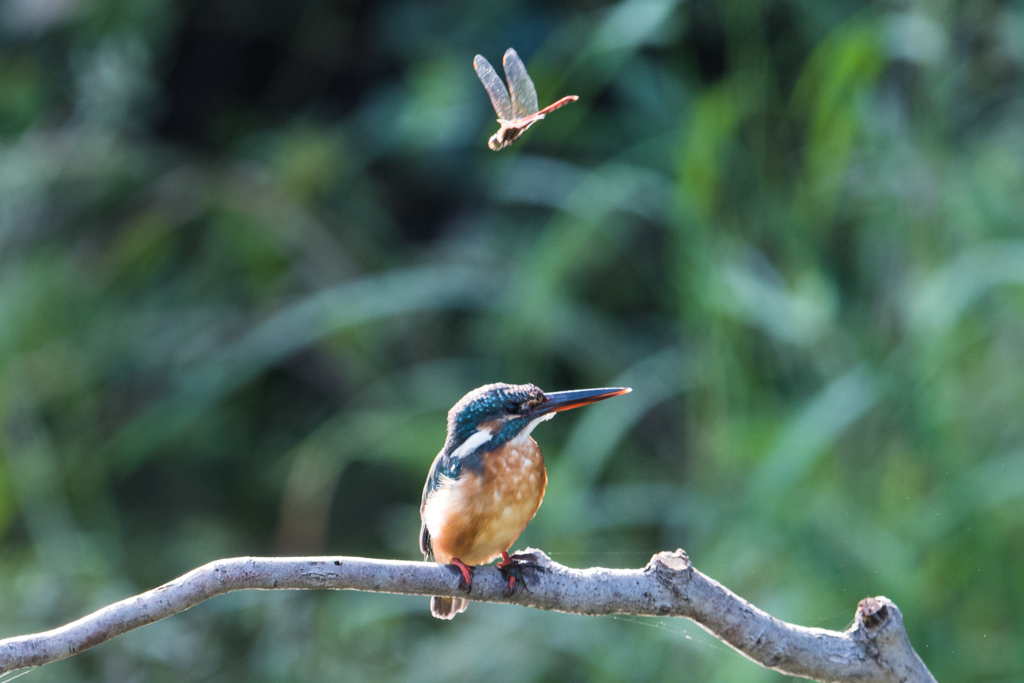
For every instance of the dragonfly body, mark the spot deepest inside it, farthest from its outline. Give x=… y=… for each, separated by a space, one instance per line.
x=511 y=130
x=516 y=105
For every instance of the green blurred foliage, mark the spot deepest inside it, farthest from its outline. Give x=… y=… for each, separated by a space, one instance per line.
x=250 y=253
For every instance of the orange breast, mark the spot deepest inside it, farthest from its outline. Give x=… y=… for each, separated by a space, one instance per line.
x=478 y=515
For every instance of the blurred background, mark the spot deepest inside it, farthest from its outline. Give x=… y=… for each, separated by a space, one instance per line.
x=252 y=251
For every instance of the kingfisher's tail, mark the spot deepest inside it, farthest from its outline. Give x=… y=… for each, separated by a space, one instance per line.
x=447 y=608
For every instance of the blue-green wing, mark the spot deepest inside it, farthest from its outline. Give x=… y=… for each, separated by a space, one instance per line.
x=448 y=465
x=433 y=481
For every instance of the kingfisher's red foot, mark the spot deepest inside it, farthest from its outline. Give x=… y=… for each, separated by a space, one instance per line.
x=505 y=564
x=512 y=568
x=467 y=573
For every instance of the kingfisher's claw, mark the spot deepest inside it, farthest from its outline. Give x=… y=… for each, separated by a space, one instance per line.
x=512 y=568
x=466 y=574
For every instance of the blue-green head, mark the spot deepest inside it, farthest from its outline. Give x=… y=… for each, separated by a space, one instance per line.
x=494 y=414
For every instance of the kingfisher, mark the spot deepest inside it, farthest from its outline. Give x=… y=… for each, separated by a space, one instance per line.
x=488 y=481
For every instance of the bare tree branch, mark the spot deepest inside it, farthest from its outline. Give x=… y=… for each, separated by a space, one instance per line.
x=875 y=648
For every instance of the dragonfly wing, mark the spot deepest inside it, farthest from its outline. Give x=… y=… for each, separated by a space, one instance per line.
x=495 y=87
x=524 y=95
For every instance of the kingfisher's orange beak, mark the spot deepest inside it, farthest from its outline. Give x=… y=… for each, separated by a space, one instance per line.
x=567 y=400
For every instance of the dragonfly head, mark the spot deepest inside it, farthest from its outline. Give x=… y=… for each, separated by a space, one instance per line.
x=505 y=136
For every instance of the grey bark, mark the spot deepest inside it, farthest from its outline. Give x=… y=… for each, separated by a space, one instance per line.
x=875 y=648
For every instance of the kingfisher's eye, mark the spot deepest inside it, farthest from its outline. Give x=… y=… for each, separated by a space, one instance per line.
x=512 y=408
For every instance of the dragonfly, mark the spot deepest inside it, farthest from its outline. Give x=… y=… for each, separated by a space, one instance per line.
x=520 y=111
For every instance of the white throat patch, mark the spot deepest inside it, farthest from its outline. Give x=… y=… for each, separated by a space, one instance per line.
x=525 y=434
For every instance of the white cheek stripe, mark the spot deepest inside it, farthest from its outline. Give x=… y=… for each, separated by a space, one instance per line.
x=478 y=439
